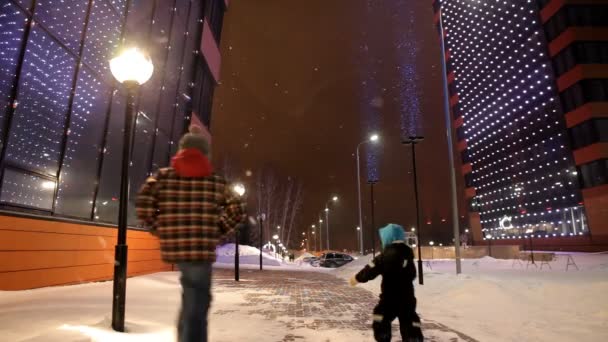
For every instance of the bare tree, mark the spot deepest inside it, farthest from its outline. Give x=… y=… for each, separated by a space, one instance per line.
x=295 y=210
x=286 y=207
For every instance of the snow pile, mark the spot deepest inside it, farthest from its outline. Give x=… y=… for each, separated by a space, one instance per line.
x=248 y=255
x=501 y=300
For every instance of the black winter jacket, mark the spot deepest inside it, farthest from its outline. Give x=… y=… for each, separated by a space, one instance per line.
x=396 y=265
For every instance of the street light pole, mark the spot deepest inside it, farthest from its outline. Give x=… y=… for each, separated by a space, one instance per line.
x=413 y=140
x=448 y=123
x=373 y=229
x=333 y=199
x=261 y=219
x=132 y=68
x=327 y=227
x=239 y=189
x=374 y=138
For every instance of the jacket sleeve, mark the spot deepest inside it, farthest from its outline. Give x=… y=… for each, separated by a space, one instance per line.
x=371 y=270
x=234 y=211
x=410 y=268
x=146 y=204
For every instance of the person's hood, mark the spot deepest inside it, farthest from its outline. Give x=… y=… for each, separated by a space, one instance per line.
x=191 y=163
x=391 y=233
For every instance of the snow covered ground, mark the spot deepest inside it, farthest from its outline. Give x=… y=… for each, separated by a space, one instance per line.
x=495 y=300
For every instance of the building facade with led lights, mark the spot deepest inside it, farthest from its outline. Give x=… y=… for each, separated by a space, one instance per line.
x=61 y=121
x=528 y=92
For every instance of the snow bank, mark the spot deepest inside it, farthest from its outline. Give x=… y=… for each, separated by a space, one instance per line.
x=499 y=300
x=248 y=255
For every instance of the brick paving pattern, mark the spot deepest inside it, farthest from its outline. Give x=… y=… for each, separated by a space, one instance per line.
x=314 y=300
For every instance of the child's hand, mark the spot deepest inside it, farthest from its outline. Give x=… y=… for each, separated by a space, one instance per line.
x=353 y=281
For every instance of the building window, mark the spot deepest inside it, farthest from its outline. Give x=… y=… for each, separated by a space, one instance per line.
x=12 y=28
x=64 y=19
x=589 y=132
x=103 y=37
x=64 y=124
x=83 y=147
x=585 y=91
x=580 y=53
x=576 y=15
x=39 y=120
x=27 y=190
x=594 y=173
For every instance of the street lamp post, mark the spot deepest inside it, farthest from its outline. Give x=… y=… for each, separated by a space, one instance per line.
x=448 y=130
x=359 y=240
x=373 y=229
x=413 y=141
x=132 y=68
x=239 y=189
x=372 y=139
x=489 y=238
x=261 y=218
x=333 y=199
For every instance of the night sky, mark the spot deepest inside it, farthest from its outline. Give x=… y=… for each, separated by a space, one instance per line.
x=303 y=82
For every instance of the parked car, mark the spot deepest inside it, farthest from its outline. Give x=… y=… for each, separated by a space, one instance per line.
x=310 y=260
x=333 y=260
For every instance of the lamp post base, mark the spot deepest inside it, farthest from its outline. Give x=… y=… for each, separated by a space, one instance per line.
x=120 y=288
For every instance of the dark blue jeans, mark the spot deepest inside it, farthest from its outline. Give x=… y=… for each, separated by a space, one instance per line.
x=196 y=297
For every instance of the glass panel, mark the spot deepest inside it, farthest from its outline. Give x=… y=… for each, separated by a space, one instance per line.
x=140 y=160
x=103 y=37
x=138 y=21
x=172 y=74
x=12 y=26
x=106 y=207
x=119 y=5
x=65 y=18
x=25 y=3
x=80 y=164
x=26 y=189
x=158 y=52
x=38 y=123
x=161 y=152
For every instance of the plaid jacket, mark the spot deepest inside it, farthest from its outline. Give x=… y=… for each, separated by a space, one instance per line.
x=189 y=215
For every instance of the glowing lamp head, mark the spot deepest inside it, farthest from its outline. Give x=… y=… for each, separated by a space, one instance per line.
x=335 y=198
x=238 y=189
x=275 y=236
x=132 y=65
x=432 y=243
x=374 y=138
x=488 y=236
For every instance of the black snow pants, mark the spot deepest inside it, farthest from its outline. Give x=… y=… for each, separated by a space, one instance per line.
x=409 y=322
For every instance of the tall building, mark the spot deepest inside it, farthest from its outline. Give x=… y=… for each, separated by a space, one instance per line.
x=61 y=121
x=528 y=87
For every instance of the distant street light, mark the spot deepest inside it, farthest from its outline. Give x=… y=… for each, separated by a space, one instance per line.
x=131 y=67
x=333 y=199
x=489 y=238
x=373 y=139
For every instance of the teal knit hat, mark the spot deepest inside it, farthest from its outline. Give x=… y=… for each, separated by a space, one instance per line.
x=195 y=139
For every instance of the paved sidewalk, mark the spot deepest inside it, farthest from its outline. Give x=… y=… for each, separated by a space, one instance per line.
x=316 y=301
